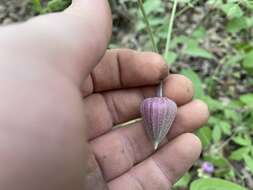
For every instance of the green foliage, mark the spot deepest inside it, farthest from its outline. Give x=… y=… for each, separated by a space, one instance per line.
x=248 y=61
x=205 y=135
x=194 y=50
x=184 y=181
x=249 y=162
x=51 y=6
x=214 y=184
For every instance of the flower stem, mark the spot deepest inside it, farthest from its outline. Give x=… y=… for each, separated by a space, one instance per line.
x=172 y=17
x=160 y=89
x=148 y=27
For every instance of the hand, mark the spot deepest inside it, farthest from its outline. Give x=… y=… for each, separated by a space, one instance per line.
x=124 y=157
x=59 y=83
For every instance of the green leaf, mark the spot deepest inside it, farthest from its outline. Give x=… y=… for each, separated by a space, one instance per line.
x=199 y=92
x=205 y=135
x=232 y=114
x=226 y=127
x=217 y=160
x=248 y=4
x=247 y=99
x=156 y=21
x=200 y=32
x=232 y=10
x=248 y=61
x=184 y=1
x=242 y=140
x=56 y=5
x=213 y=104
x=249 y=163
x=153 y=6
x=216 y=134
x=234 y=59
x=171 y=58
x=236 y=24
x=239 y=153
x=215 y=3
x=214 y=184
x=249 y=21
x=194 y=50
x=183 y=181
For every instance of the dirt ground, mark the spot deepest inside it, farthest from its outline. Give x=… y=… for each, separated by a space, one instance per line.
x=14 y=11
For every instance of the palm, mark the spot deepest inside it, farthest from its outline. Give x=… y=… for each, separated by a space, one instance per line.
x=123 y=158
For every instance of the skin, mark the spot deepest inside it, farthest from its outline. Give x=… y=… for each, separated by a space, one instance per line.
x=61 y=94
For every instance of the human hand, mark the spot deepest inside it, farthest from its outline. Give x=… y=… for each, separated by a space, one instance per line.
x=52 y=74
x=124 y=157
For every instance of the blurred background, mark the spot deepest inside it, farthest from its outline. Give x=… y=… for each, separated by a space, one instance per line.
x=212 y=44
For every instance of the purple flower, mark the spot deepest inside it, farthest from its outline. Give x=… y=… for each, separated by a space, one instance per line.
x=208 y=167
x=158 y=114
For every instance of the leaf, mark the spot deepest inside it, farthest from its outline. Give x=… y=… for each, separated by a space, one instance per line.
x=232 y=10
x=214 y=184
x=194 y=50
x=156 y=21
x=200 y=32
x=226 y=127
x=234 y=59
x=249 y=162
x=171 y=58
x=217 y=160
x=247 y=99
x=232 y=114
x=216 y=134
x=183 y=181
x=215 y=3
x=199 y=92
x=183 y=1
x=57 y=5
x=239 y=153
x=236 y=24
x=153 y=6
x=248 y=4
x=205 y=135
x=248 y=61
x=243 y=141
x=213 y=104
x=249 y=21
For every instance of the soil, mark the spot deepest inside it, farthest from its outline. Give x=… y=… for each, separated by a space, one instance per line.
x=12 y=11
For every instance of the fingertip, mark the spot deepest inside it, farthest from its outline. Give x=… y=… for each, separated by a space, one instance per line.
x=196 y=143
x=189 y=146
x=203 y=109
x=182 y=87
x=157 y=63
x=99 y=14
x=162 y=68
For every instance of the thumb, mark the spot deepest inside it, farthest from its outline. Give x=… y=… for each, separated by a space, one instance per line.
x=73 y=40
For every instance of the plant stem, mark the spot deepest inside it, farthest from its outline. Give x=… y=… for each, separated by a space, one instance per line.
x=148 y=25
x=190 y=6
x=172 y=17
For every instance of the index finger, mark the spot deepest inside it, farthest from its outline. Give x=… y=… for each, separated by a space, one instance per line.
x=125 y=68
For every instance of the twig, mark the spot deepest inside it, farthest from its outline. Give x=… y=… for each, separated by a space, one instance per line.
x=183 y=10
x=172 y=17
x=148 y=25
